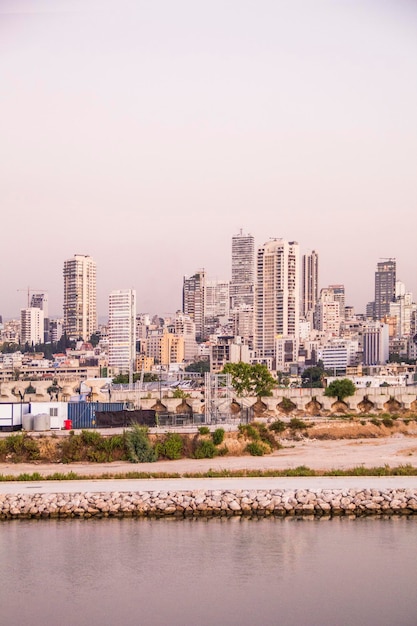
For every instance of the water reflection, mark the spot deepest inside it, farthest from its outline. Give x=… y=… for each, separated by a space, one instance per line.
x=217 y=571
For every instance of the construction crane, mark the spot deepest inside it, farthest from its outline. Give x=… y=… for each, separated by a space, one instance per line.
x=28 y=290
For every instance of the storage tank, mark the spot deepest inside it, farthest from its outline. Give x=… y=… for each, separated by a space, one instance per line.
x=27 y=421
x=41 y=422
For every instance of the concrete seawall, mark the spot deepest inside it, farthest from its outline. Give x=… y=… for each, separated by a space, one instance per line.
x=210 y=503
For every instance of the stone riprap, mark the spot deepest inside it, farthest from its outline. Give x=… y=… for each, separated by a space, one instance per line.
x=210 y=503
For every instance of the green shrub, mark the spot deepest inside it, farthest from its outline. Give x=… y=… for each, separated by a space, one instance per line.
x=388 y=422
x=172 y=447
x=22 y=447
x=91 y=438
x=138 y=446
x=204 y=430
x=375 y=421
x=218 y=436
x=250 y=431
x=278 y=426
x=297 y=424
x=205 y=449
x=255 y=448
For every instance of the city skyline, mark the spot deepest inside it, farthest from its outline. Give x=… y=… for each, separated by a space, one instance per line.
x=167 y=128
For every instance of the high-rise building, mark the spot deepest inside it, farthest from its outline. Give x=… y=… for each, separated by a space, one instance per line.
x=327 y=313
x=310 y=282
x=40 y=301
x=216 y=299
x=339 y=296
x=277 y=294
x=243 y=270
x=193 y=300
x=80 y=293
x=385 y=278
x=31 y=325
x=122 y=330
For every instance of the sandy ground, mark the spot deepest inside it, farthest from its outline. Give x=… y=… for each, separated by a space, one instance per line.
x=319 y=455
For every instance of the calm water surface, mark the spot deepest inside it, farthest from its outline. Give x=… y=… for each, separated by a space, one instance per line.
x=207 y=572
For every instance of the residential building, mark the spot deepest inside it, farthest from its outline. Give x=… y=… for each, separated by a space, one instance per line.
x=184 y=327
x=31 y=326
x=122 y=330
x=375 y=343
x=286 y=350
x=277 y=295
x=193 y=300
x=227 y=350
x=40 y=301
x=338 y=292
x=385 y=279
x=327 y=314
x=309 y=283
x=80 y=287
x=243 y=270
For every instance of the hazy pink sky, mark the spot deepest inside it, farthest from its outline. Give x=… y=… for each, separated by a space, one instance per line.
x=146 y=134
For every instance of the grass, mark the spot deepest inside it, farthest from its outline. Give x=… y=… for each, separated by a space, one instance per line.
x=302 y=470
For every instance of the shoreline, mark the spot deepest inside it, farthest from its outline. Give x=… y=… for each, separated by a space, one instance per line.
x=183 y=498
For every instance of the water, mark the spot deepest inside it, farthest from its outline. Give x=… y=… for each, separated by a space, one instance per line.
x=206 y=572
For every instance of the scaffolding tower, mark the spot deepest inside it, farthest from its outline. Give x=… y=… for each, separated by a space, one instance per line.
x=218 y=398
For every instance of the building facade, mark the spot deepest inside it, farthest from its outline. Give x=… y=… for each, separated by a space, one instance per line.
x=193 y=300
x=122 y=330
x=243 y=270
x=31 y=326
x=309 y=283
x=80 y=297
x=385 y=279
x=277 y=295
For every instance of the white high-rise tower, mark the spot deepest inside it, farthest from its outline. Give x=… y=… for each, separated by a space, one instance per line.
x=80 y=293
x=122 y=330
x=277 y=295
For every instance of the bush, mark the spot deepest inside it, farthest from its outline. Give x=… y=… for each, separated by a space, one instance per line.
x=250 y=431
x=375 y=421
x=204 y=430
x=297 y=424
x=278 y=426
x=218 y=436
x=205 y=449
x=138 y=446
x=388 y=422
x=172 y=447
x=255 y=449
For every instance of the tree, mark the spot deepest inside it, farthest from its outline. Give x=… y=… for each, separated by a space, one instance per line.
x=340 y=388
x=250 y=380
x=313 y=376
x=200 y=367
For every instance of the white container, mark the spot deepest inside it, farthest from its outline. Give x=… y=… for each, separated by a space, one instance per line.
x=41 y=422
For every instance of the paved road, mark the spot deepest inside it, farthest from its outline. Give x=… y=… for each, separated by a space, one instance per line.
x=191 y=484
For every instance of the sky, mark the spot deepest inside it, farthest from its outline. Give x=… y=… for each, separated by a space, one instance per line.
x=147 y=133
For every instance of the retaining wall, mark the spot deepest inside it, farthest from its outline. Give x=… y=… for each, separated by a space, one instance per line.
x=210 y=503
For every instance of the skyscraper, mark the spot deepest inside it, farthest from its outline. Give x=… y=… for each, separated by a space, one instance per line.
x=310 y=282
x=277 y=295
x=193 y=300
x=385 y=277
x=122 y=330
x=243 y=270
x=80 y=287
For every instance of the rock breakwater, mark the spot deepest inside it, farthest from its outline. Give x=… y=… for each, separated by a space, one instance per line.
x=210 y=503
